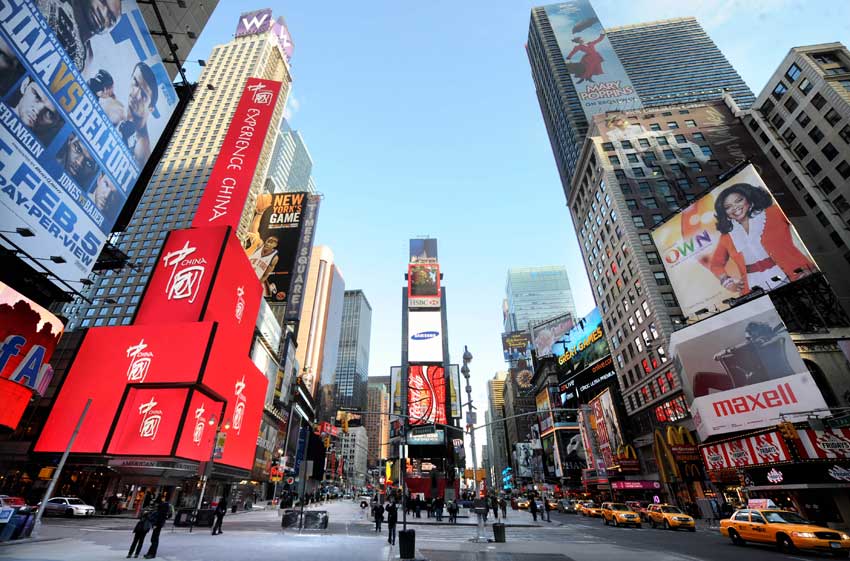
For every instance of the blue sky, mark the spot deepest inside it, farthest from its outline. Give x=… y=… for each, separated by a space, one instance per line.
x=421 y=118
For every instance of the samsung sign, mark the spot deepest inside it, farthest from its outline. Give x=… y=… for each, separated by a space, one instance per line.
x=425 y=340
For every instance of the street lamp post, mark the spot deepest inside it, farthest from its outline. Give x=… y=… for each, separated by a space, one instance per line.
x=467 y=358
x=207 y=469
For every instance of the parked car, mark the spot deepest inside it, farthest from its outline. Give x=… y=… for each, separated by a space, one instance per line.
x=68 y=506
x=787 y=530
x=12 y=502
x=670 y=518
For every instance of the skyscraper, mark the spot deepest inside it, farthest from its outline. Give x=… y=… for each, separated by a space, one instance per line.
x=319 y=330
x=291 y=164
x=352 y=367
x=536 y=293
x=497 y=447
x=174 y=191
x=670 y=61
x=377 y=426
x=801 y=121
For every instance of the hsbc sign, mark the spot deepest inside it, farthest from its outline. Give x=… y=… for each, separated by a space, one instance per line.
x=756 y=406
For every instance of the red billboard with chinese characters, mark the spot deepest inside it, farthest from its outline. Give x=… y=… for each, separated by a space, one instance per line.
x=110 y=358
x=180 y=284
x=426 y=394
x=199 y=427
x=148 y=422
x=230 y=181
x=236 y=293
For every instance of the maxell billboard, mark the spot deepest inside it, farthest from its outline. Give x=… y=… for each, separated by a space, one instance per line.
x=728 y=242
x=740 y=370
x=597 y=74
x=83 y=100
x=230 y=180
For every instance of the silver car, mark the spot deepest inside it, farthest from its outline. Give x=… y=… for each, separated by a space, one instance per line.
x=68 y=506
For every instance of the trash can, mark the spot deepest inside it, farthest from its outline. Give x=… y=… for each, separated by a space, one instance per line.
x=499 y=532
x=407 y=544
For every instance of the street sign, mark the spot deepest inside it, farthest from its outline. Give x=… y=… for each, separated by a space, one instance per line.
x=220 y=438
x=290 y=480
x=471 y=417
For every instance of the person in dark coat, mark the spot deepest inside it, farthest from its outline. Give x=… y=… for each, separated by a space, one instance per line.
x=546 y=508
x=162 y=511
x=392 y=520
x=438 y=508
x=379 y=516
x=494 y=505
x=141 y=529
x=503 y=505
x=220 y=510
x=532 y=508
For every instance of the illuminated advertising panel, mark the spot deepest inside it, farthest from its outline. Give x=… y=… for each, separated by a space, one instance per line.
x=767 y=448
x=547 y=337
x=235 y=378
x=740 y=370
x=284 y=39
x=424 y=337
x=230 y=180
x=584 y=344
x=236 y=294
x=301 y=265
x=728 y=242
x=197 y=435
x=84 y=97
x=580 y=388
x=515 y=345
x=546 y=420
x=426 y=395
x=596 y=72
x=109 y=359
x=274 y=236
x=180 y=283
x=454 y=390
x=608 y=433
x=148 y=422
x=29 y=335
x=423 y=285
x=524 y=459
x=423 y=250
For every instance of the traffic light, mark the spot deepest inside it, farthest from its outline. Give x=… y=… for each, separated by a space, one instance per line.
x=788 y=430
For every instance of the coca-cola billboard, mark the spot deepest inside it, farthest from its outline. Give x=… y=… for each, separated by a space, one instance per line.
x=426 y=395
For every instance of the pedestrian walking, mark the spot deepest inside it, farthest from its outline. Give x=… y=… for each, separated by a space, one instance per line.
x=379 y=517
x=141 y=529
x=161 y=515
x=220 y=510
x=503 y=505
x=450 y=507
x=392 y=520
x=546 y=508
x=438 y=506
x=417 y=507
x=532 y=508
x=494 y=505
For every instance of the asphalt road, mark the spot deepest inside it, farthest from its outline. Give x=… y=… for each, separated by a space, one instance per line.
x=351 y=537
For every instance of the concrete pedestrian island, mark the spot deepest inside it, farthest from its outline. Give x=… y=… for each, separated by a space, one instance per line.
x=313 y=519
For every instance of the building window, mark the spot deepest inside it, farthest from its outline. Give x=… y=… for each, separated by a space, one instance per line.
x=650 y=202
x=801 y=151
x=608 y=146
x=615 y=161
x=803 y=119
x=654 y=127
x=779 y=90
x=632 y=204
x=813 y=167
x=845 y=134
x=793 y=72
x=789 y=135
x=843 y=169
x=818 y=101
x=669 y=154
x=645 y=239
x=699 y=136
x=644 y=143
x=638 y=220
x=826 y=185
x=660 y=278
x=832 y=117
x=638 y=172
x=690 y=123
x=672 y=125
x=662 y=141
x=816 y=134
x=703 y=182
x=774 y=152
x=829 y=151
x=653 y=258
x=841 y=204
x=632 y=158
x=669 y=299
x=805 y=86
x=791 y=104
x=777 y=121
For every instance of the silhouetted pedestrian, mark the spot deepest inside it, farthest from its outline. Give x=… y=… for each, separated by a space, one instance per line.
x=141 y=529
x=162 y=512
x=392 y=520
x=379 y=517
x=220 y=510
x=532 y=508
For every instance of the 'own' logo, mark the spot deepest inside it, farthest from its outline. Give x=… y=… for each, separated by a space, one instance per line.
x=186 y=273
x=150 y=419
x=140 y=361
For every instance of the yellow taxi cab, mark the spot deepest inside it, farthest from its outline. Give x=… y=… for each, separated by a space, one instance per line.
x=522 y=502
x=589 y=508
x=619 y=515
x=669 y=517
x=787 y=530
